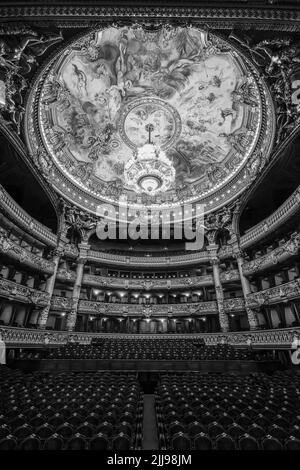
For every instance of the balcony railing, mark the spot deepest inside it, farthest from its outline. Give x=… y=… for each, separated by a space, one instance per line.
x=25 y=337
x=147 y=284
x=20 y=254
x=278 y=255
x=13 y=291
x=111 y=308
x=40 y=231
x=268 y=225
x=277 y=294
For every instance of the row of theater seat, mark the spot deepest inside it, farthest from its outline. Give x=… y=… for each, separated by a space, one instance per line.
x=228 y=412
x=154 y=349
x=69 y=411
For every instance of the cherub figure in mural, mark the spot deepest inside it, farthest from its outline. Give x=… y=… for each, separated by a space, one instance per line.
x=172 y=78
x=237 y=139
x=227 y=113
x=80 y=80
x=189 y=45
x=243 y=94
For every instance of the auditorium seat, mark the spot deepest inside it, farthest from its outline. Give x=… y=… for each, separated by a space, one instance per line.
x=258 y=421
x=70 y=410
x=153 y=349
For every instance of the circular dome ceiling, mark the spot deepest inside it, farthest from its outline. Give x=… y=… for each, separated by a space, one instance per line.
x=109 y=93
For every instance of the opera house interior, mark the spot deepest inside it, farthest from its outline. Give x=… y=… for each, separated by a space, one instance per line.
x=149 y=225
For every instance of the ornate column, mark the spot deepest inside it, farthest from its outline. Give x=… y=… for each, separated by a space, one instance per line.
x=81 y=260
x=214 y=260
x=251 y=314
x=57 y=253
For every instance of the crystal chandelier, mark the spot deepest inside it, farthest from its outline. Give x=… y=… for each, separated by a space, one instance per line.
x=149 y=170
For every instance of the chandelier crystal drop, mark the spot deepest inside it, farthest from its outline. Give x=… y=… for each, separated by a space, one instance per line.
x=149 y=171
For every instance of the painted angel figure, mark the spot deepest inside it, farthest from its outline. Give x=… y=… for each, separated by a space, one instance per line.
x=80 y=80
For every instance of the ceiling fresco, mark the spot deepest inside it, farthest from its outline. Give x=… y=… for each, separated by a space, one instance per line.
x=112 y=92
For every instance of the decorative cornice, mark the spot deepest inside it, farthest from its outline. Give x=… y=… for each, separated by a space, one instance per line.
x=103 y=13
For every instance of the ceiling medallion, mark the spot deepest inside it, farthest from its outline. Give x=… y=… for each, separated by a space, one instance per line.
x=138 y=114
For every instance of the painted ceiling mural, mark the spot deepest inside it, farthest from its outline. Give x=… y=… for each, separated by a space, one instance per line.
x=187 y=92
